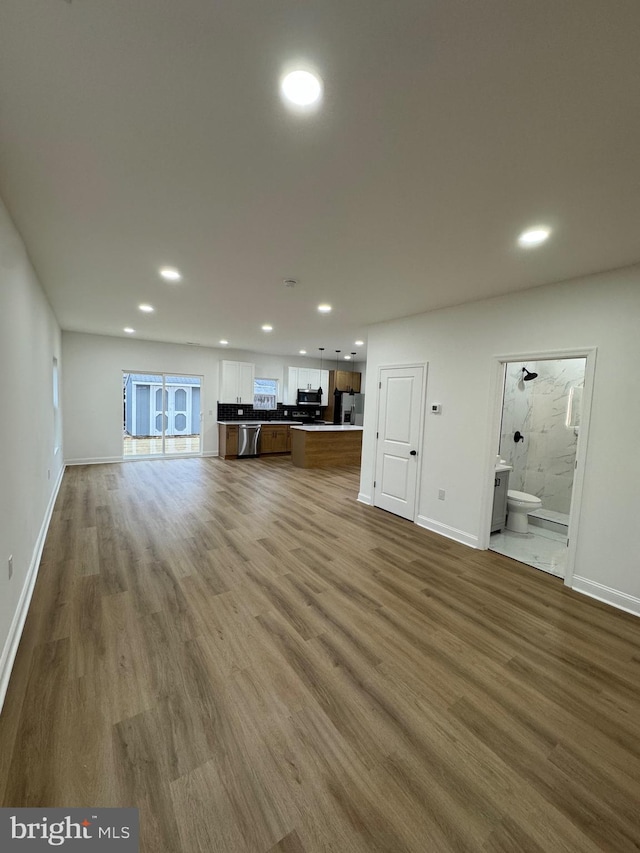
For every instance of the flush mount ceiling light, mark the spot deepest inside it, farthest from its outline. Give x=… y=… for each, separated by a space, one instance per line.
x=146 y=308
x=128 y=330
x=170 y=274
x=301 y=88
x=347 y=358
x=534 y=236
x=359 y=343
x=223 y=343
x=324 y=309
x=303 y=352
x=267 y=328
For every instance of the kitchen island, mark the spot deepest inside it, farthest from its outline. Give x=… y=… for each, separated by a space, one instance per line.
x=325 y=445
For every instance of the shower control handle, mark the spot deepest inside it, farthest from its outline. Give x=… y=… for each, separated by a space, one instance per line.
x=518 y=436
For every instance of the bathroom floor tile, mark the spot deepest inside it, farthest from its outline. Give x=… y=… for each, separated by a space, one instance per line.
x=542 y=549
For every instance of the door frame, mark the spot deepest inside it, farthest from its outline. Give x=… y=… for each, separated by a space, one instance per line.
x=496 y=395
x=423 y=392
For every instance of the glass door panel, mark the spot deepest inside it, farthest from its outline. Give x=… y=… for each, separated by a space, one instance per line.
x=183 y=415
x=161 y=414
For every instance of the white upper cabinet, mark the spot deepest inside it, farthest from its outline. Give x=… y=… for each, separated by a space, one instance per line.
x=324 y=384
x=306 y=377
x=236 y=381
x=291 y=389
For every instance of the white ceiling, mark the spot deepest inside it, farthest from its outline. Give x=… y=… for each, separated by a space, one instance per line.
x=137 y=133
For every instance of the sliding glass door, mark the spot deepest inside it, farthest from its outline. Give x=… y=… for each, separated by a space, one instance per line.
x=161 y=414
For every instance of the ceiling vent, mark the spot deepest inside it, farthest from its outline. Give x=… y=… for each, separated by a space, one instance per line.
x=290 y=282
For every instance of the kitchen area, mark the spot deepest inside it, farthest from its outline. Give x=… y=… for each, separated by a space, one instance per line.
x=318 y=423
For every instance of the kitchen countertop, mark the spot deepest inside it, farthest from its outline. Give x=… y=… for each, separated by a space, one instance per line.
x=328 y=428
x=273 y=423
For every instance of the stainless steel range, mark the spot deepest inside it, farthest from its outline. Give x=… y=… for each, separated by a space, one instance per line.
x=307 y=415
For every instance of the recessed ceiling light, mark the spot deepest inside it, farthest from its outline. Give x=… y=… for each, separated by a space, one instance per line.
x=534 y=236
x=301 y=88
x=324 y=309
x=303 y=352
x=347 y=357
x=170 y=274
x=224 y=343
x=146 y=308
x=128 y=330
x=359 y=343
x=267 y=328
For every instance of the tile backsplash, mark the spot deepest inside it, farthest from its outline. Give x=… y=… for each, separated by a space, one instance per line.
x=229 y=412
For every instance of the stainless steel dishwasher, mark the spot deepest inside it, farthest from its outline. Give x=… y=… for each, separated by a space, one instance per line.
x=248 y=439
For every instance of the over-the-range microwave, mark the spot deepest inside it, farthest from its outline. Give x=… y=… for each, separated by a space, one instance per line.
x=309 y=397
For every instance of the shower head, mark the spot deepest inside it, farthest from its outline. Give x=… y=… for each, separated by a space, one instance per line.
x=527 y=375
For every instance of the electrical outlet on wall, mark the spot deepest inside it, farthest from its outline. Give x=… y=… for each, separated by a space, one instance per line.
x=241 y=411
x=441 y=494
x=10 y=566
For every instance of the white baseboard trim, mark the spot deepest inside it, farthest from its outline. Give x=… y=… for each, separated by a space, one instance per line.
x=621 y=600
x=97 y=460
x=364 y=499
x=109 y=460
x=10 y=649
x=446 y=530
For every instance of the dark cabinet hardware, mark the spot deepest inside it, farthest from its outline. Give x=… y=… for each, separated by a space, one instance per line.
x=518 y=436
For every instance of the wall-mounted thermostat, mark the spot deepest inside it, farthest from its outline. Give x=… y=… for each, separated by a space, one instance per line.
x=436 y=409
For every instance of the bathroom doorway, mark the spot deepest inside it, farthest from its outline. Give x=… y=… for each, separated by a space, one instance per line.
x=543 y=414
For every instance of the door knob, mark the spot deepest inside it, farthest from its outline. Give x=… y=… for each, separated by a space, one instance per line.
x=413 y=453
x=518 y=436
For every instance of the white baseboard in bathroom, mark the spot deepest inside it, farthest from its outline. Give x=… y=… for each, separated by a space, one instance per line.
x=364 y=499
x=548 y=524
x=621 y=600
x=446 y=530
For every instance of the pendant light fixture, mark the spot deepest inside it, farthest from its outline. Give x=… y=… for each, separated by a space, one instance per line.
x=320 y=383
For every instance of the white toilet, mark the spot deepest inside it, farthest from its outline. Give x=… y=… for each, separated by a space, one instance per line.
x=518 y=505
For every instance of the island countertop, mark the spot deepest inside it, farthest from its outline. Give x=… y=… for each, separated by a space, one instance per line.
x=328 y=428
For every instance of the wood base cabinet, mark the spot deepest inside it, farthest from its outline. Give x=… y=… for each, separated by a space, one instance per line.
x=274 y=439
x=227 y=441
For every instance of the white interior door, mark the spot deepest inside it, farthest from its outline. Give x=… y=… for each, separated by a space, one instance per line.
x=399 y=418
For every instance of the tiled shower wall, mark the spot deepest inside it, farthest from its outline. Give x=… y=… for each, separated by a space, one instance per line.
x=544 y=463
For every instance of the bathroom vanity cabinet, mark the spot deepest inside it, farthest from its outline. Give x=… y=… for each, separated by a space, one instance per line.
x=501 y=487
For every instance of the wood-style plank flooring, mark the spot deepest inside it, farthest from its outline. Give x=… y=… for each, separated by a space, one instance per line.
x=261 y=664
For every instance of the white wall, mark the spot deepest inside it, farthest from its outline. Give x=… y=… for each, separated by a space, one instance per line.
x=29 y=467
x=459 y=344
x=92 y=386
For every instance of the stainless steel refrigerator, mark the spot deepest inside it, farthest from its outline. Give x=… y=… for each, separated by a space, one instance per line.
x=352 y=409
